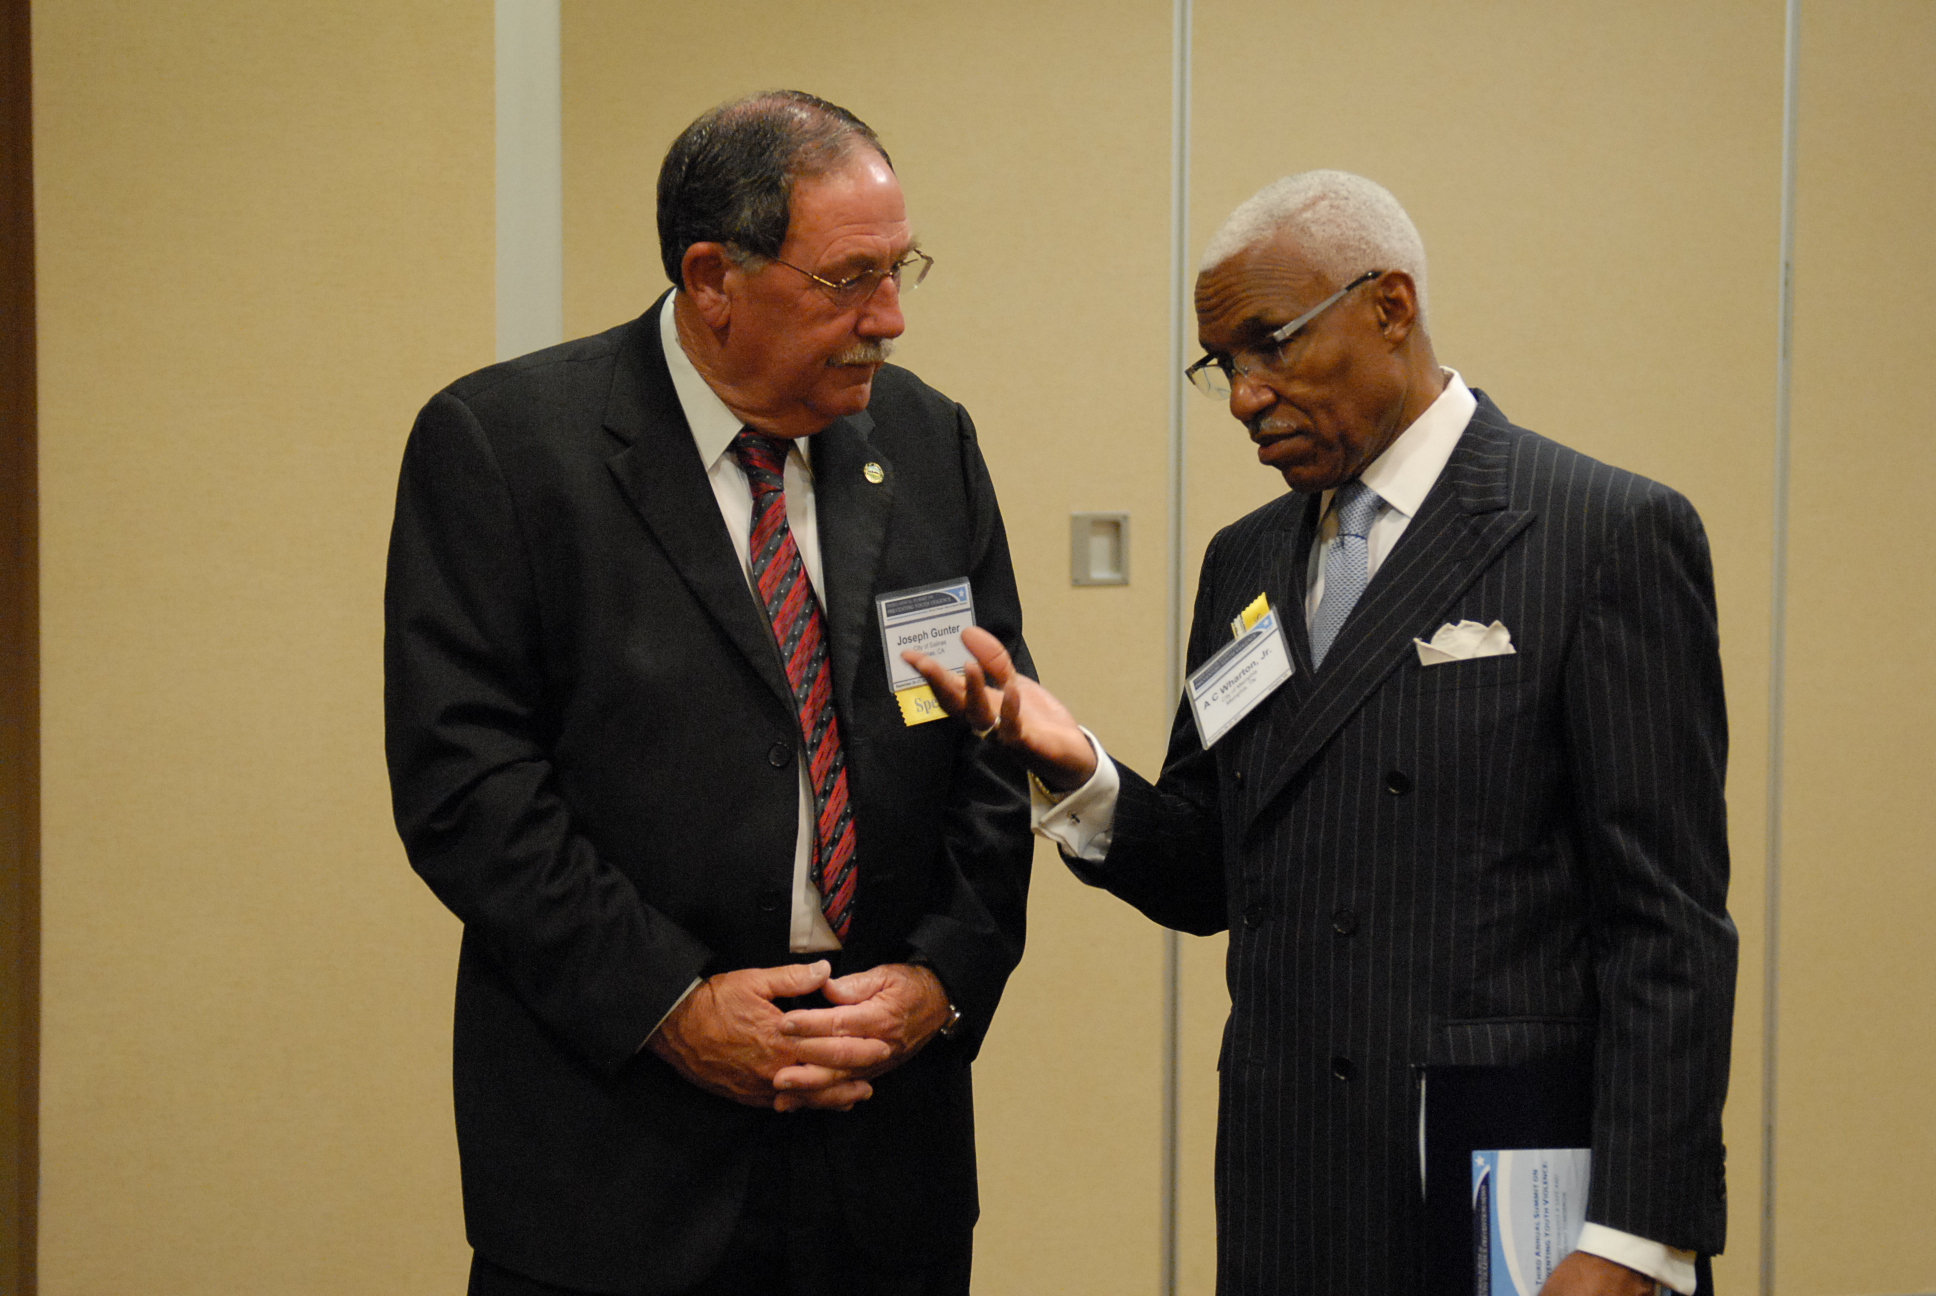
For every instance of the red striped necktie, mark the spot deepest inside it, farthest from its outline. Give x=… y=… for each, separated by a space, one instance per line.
x=802 y=635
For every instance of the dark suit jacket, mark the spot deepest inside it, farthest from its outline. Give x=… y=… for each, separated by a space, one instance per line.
x=592 y=754
x=1479 y=863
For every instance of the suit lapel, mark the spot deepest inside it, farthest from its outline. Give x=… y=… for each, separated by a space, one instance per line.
x=659 y=471
x=1462 y=528
x=852 y=513
x=1280 y=568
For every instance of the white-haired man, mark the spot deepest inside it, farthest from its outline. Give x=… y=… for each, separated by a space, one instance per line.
x=1509 y=848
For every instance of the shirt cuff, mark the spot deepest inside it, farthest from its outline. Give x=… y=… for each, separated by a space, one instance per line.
x=1080 y=822
x=668 y=1012
x=1668 y=1266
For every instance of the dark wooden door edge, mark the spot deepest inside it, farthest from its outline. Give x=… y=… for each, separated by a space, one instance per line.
x=19 y=667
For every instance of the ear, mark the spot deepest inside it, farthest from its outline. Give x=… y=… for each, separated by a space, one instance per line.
x=709 y=277
x=1395 y=298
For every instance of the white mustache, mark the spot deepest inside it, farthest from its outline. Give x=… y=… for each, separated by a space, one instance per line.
x=1274 y=423
x=864 y=353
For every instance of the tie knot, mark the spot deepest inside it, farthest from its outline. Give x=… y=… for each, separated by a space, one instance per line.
x=1356 y=506
x=763 y=457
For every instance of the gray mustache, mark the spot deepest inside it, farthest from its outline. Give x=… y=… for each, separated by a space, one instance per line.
x=864 y=353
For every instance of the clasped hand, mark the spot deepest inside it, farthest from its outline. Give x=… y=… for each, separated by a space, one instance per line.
x=730 y=1038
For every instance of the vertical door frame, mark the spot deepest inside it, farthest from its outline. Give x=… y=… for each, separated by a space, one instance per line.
x=19 y=666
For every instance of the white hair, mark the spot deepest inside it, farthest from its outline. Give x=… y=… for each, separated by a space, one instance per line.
x=1343 y=223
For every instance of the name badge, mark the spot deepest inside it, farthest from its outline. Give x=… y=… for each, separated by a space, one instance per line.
x=928 y=619
x=1229 y=686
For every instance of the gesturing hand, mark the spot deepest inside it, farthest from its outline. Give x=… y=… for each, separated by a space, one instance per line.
x=726 y=1038
x=991 y=694
x=897 y=1007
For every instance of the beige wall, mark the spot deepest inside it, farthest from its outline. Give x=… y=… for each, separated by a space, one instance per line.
x=1858 y=894
x=266 y=236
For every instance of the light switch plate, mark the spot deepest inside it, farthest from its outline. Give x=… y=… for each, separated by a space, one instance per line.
x=1099 y=548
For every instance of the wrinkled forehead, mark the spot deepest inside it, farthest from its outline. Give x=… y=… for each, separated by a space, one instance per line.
x=856 y=209
x=1265 y=285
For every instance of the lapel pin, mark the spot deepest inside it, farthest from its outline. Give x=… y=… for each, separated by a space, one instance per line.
x=873 y=473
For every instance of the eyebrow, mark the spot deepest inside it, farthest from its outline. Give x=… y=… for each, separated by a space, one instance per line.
x=860 y=262
x=1247 y=331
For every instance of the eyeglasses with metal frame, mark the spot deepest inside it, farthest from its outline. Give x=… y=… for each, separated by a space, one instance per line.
x=1214 y=375
x=907 y=274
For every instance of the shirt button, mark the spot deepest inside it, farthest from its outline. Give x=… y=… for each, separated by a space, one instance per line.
x=1344 y=922
x=1397 y=784
x=778 y=755
x=1341 y=1067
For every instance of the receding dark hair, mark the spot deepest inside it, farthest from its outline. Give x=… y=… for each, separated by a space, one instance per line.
x=729 y=176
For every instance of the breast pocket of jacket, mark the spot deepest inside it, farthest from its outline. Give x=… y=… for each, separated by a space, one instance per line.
x=1476 y=672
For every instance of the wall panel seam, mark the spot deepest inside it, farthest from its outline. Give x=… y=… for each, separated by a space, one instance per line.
x=530 y=205
x=1777 y=643
x=1182 y=18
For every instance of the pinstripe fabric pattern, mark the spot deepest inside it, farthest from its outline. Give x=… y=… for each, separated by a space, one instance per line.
x=1484 y=862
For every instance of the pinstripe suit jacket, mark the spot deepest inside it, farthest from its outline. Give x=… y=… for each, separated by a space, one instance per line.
x=1483 y=862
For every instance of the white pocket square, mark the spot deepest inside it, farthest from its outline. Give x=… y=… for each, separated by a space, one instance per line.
x=1463 y=642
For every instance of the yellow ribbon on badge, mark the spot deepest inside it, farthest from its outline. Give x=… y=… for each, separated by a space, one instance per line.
x=1259 y=608
x=919 y=705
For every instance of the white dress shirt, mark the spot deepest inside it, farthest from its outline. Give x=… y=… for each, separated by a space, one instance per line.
x=1403 y=475
x=713 y=429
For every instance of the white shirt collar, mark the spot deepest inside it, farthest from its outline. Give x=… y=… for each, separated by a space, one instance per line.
x=1409 y=467
x=713 y=425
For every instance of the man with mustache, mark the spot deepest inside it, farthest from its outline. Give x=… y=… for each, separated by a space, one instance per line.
x=734 y=924
x=1480 y=824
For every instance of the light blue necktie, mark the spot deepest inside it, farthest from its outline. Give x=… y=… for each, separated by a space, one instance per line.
x=1347 y=568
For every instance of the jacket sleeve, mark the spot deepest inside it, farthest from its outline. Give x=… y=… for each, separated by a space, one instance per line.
x=471 y=775
x=1166 y=844
x=1646 y=734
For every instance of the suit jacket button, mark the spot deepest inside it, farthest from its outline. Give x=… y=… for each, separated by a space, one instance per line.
x=1253 y=913
x=1344 y=922
x=1397 y=784
x=1341 y=1067
x=778 y=755
x=771 y=901
x=1238 y=775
